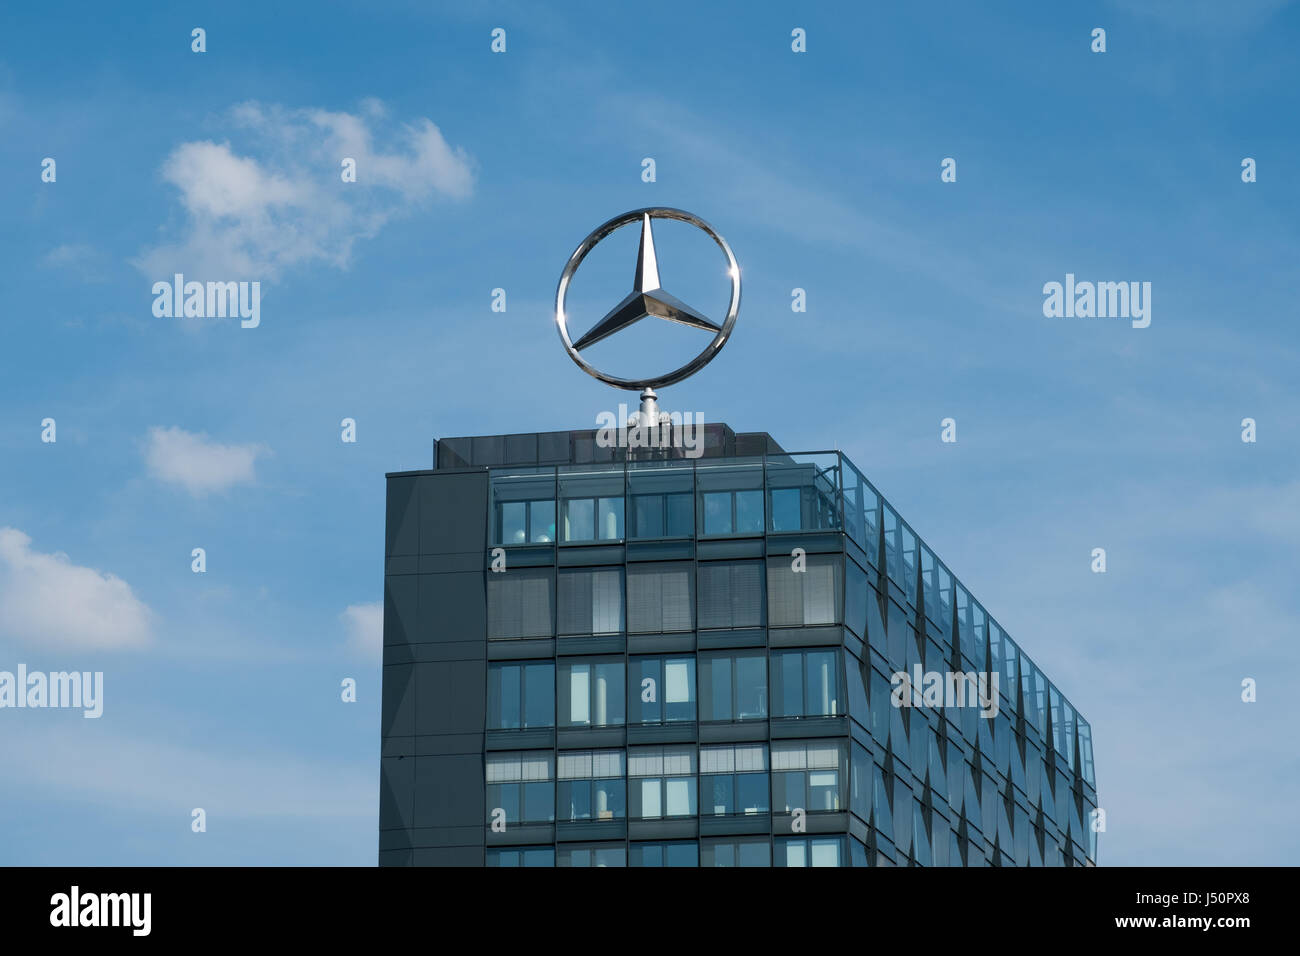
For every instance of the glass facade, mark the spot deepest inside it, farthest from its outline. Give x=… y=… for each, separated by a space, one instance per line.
x=700 y=662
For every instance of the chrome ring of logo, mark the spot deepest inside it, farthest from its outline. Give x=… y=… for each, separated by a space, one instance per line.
x=646 y=299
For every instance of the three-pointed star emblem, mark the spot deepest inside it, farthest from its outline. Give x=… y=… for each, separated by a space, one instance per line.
x=646 y=298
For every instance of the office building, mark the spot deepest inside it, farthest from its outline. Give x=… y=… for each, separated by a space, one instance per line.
x=595 y=656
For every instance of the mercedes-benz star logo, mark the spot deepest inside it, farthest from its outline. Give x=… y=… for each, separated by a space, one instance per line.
x=646 y=299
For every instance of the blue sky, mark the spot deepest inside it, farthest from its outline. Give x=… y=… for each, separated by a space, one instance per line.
x=479 y=171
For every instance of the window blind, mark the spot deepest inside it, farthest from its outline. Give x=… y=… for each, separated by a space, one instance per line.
x=590 y=601
x=660 y=598
x=519 y=603
x=733 y=759
x=519 y=767
x=731 y=594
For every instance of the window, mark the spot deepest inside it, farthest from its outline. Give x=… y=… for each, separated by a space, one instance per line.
x=810 y=851
x=730 y=498
x=731 y=594
x=858 y=852
x=783 y=505
x=521 y=603
x=662 y=516
x=1062 y=726
x=921 y=837
x=893 y=545
x=1034 y=689
x=590 y=692
x=882 y=689
x=733 y=685
x=672 y=853
x=860 y=797
x=523 y=507
x=808 y=597
x=662 y=782
x=858 y=674
x=900 y=553
x=662 y=689
x=592 y=854
x=523 y=785
x=520 y=856
x=1002 y=649
x=732 y=512
x=806 y=775
x=591 y=504
x=591 y=785
x=803 y=492
x=661 y=499
x=1085 y=752
x=733 y=779
x=909 y=564
x=861 y=504
x=856 y=595
x=945 y=586
x=805 y=683
x=521 y=695
x=972 y=625
x=660 y=597
x=881 y=794
x=937 y=582
x=590 y=601
x=736 y=851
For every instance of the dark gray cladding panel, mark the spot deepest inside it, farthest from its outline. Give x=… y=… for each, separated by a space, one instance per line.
x=453 y=513
x=450 y=791
x=453 y=452
x=401 y=609
x=403 y=524
x=452 y=607
x=450 y=697
x=449 y=856
x=404 y=857
x=579 y=447
x=398 y=708
x=396 y=793
x=756 y=443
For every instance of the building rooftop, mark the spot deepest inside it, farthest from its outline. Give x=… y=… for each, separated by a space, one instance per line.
x=582 y=447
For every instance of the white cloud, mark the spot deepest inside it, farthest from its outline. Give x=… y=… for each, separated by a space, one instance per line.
x=69 y=254
x=253 y=216
x=365 y=627
x=199 y=465
x=215 y=182
x=52 y=603
x=79 y=258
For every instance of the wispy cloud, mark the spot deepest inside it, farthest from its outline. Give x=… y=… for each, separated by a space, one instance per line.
x=79 y=258
x=283 y=202
x=51 y=603
x=365 y=627
x=197 y=464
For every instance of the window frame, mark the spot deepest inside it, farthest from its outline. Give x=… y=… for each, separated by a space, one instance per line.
x=564 y=669
x=522 y=666
x=733 y=657
x=634 y=691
